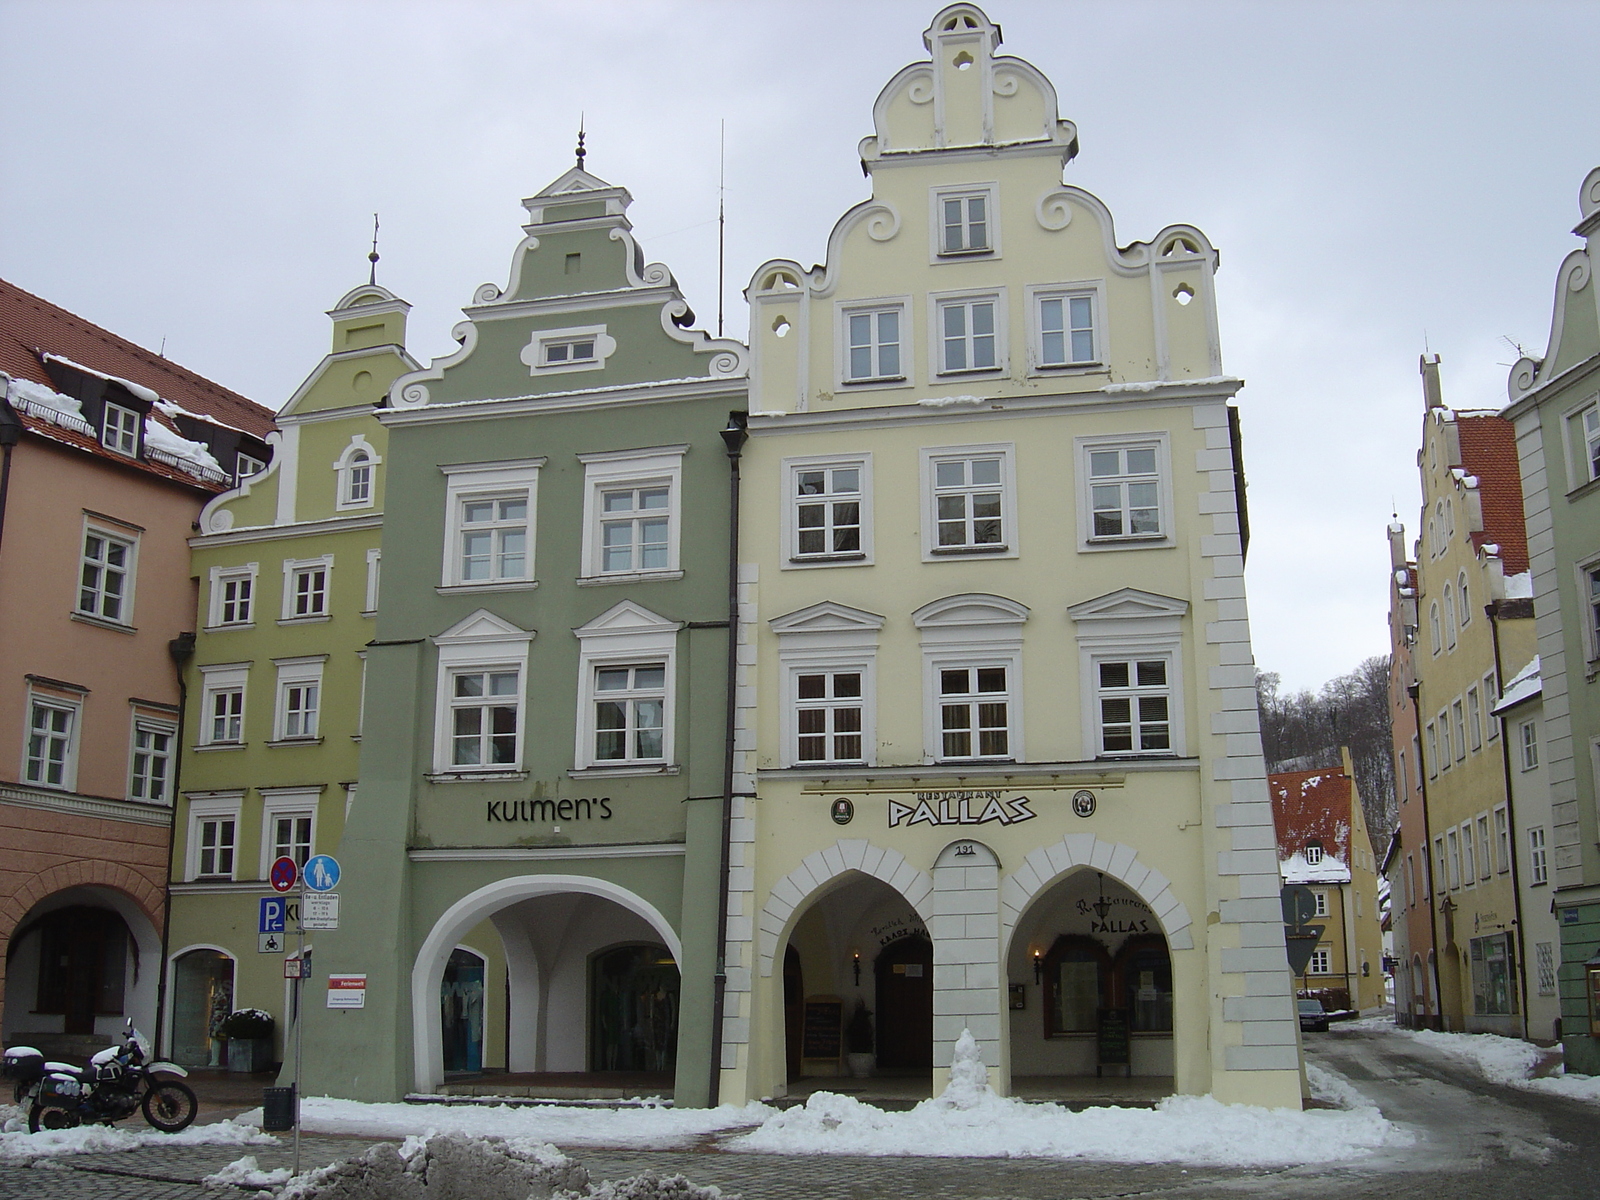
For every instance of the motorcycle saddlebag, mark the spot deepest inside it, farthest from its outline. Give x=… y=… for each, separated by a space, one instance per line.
x=22 y=1063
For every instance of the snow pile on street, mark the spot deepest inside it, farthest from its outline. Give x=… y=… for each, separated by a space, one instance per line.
x=1512 y=1062
x=97 y=1139
x=1334 y=1089
x=969 y=1120
x=13 y=1118
x=649 y=1186
x=450 y=1166
x=246 y=1172
x=658 y=1128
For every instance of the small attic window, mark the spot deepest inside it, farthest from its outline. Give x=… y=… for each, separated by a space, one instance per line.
x=1313 y=852
x=119 y=430
x=246 y=466
x=560 y=354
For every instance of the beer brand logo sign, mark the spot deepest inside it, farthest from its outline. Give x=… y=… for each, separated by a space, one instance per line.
x=961 y=808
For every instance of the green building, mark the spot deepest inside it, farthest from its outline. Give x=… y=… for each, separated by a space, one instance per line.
x=1555 y=407
x=287 y=565
x=543 y=775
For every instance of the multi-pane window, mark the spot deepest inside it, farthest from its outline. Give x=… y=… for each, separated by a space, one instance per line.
x=1466 y=605
x=1586 y=428
x=152 y=764
x=300 y=708
x=827 y=511
x=1538 y=865
x=103 y=589
x=968 y=498
x=974 y=712
x=291 y=837
x=234 y=598
x=967 y=335
x=828 y=707
x=1066 y=331
x=119 y=430
x=1440 y=873
x=216 y=838
x=1485 y=867
x=1474 y=717
x=1469 y=861
x=483 y=718
x=1134 y=699
x=1321 y=962
x=1453 y=840
x=873 y=344
x=1313 y=853
x=358 y=479
x=244 y=466
x=1528 y=735
x=50 y=730
x=494 y=539
x=1458 y=715
x=1433 y=750
x=308 y=591
x=1125 y=491
x=630 y=704
x=1592 y=576
x=635 y=528
x=964 y=224
x=573 y=350
x=225 y=714
x=1489 y=699
x=1445 y=756
x=1502 y=840
x=1322 y=903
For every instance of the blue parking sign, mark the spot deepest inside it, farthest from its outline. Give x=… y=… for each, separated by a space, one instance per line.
x=274 y=914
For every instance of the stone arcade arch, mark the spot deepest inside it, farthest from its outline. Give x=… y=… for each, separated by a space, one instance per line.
x=427 y=972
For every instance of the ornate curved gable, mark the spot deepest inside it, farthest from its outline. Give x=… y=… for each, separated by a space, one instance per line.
x=1575 y=316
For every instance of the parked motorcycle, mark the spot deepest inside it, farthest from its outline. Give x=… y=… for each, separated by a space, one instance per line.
x=118 y=1080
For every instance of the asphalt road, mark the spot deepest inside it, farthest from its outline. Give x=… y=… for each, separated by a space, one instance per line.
x=1475 y=1141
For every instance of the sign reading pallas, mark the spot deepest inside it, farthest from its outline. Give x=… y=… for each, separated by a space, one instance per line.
x=961 y=808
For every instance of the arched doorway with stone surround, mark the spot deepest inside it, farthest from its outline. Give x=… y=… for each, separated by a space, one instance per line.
x=1094 y=961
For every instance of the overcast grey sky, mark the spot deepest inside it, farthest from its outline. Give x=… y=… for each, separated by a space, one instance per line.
x=1378 y=177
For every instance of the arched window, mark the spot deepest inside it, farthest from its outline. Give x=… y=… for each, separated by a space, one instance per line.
x=1433 y=627
x=355 y=475
x=1449 y=616
x=1450 y=517
x=1466 y=609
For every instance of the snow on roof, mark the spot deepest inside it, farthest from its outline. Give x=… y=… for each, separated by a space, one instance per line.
x=137 y=389
x=1150 y=385
x=1524 y=685
x=1311 y=810
x=1520 y=586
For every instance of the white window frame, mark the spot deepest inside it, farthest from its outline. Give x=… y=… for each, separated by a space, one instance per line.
x=1589 y=601
x=1469 y=855
x=139 y=780
x=1322 y=902
x=1538 y=857
x=1433 y=750
x=845 y=310
x=1447 y=756
x=119 y=429
x=219 y=579
x=218 y=807
x=240 y=459
x=938 y=302
x=1133 y=625
x=1133 y=692
x=971 y=631
x=374 y=580
x=1321 y=962
x=1452 y=839
x=1459 y=716
x=1579 y=438
x=475 y=482
x=1462 y=602
x=1037 y=294
x=536 y=354
x=219 y=679
x=71 y=706
x=1009 y=545
x=990 y=194
x=128 y=538
x=346 y=494
x=280 y=803
x=293 y=570
x=481 y=643
x=1489 y=694
x=1528 y=745
x=303 y=676
x=1474 y=718
x=826 y=637
x=1449 y=618
x=626 y=635
x=1485 y=856
x=791 y=502
x=617 y=470
x=1502 y=840
x=1435 y=640
x=1083 y=448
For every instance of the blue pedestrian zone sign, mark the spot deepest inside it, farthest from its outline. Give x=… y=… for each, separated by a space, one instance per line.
x=321 y=873
x=274 y=914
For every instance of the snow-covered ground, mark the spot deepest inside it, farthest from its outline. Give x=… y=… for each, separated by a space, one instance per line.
x=1503 y=1060
x=95 y=1139
x=967 y=1120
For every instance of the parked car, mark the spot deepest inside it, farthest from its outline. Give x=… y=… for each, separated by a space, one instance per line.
x=1313 y=1017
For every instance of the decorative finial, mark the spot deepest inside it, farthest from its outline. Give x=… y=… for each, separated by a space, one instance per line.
x=372 y=277
x=581 y=150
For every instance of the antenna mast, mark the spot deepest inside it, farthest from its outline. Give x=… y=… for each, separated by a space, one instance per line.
x=372 y=276
x=722 y=222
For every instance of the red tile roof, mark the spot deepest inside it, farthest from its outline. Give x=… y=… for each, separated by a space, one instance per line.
x=31 y=327
x=1309 y=805
x=1489 y=451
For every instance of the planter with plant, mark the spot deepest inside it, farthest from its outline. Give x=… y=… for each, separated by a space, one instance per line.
x=249 y=1034
x=858 y=1042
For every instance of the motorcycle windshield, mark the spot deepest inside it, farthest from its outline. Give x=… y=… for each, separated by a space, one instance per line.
x=143 y=1043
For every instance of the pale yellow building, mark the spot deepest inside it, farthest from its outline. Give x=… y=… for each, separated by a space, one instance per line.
x=996 y=729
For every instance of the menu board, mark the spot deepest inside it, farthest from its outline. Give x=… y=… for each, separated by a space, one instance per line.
x=823 y=1026
x=1111 y=1036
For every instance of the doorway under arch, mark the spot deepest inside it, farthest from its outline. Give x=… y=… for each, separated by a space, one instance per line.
x=461 y=1010
x=633 y=1009
x=202 y=998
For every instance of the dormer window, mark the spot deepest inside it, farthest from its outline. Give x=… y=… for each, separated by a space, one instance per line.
x=119 y=430
x=358 y=483
x=1313 y=853
x=245 y=466
x=355 y=472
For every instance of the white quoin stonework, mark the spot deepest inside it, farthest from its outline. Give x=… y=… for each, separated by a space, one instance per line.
x=965 y=927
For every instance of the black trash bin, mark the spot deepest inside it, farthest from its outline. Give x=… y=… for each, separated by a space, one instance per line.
x=278 y=1109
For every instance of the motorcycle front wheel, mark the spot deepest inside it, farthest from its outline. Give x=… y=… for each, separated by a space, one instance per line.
x=170 y=1105
x=52 y=1116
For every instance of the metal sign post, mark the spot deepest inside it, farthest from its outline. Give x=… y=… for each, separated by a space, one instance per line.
x=299 y=1011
